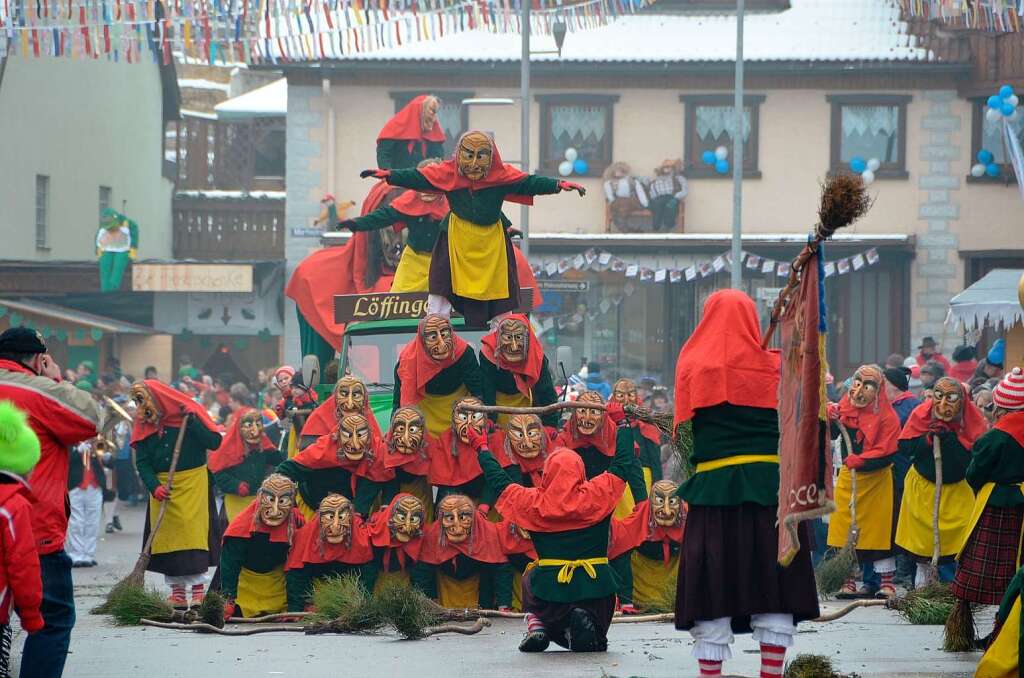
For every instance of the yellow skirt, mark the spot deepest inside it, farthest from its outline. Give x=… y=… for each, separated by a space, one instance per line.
x=874 y=510
x=517 y=590
x=458 y=594
x=516 y=399
x=233 y=505
x=1001 y=658
x=654 y=582
x=413 y=272
x=261 y=593
x=914 y=531
x=625 y=505
x=479 y=260
x=437 y=410
x=186 y=524
x=308 y=512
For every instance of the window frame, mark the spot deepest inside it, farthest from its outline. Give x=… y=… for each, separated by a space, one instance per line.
x=110 y=197
x=897 y=170
x=596 y=165
x=403 y=97
x=1007 y=176
x=693 y=167
x=42 y=212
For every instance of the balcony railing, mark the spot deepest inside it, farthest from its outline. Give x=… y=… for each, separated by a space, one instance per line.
x=229 y=225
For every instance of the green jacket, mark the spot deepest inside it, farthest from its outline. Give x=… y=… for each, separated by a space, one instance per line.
x=464 y=372
x=255 y=467
x=153 y=454
x=955 y=458
x=495 y=380
x=315 y=484
x=257 y=553
x=394 y=154
x=997 y=458
x=422 y=231
x=724 y=431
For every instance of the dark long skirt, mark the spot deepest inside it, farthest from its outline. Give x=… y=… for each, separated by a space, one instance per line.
x=989 y=558
x=476 y=312
x=189 y=561
x=555 y=616
x=728 y=568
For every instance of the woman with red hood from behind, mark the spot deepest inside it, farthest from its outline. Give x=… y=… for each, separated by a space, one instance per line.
x=729 y=579
x=569 y=596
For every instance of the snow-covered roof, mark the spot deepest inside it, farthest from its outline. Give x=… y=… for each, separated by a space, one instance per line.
x=202 y=83
x=810 y=31
x=232 y=195
x=265 y=102
x=994 y=300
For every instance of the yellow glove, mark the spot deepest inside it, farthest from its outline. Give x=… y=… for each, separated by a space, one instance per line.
x=133 y=253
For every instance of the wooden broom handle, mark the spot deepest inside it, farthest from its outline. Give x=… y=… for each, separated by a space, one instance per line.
x=937 y=455
x=854 y=529
x=539 y=411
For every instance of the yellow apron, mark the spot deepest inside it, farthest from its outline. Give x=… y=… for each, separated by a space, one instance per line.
x=648 y=479
x=874 y=510
x=308 y=512
x=980 y=502
x=914 y=530
x=413 y=272
x=293 y=442
x=654 y=582
x=625 y=505
x=516 y=399
x=386 y=578
x=233 y=505
x=1001 y=658
x=186 y=524
x=517 y=590
x=457 y=594
x=261 y=593
x=479 y=261
x=437 y=409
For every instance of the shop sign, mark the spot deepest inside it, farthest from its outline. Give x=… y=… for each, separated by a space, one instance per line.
x=563 y=285
x=192 y=278
x=395 y=305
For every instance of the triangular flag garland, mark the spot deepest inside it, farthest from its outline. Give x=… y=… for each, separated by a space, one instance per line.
x=1000 y=16
x=269 y=31
x=594 y=260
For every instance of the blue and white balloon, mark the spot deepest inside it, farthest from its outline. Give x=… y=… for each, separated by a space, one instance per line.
x=721 y=153
x=580 y=166
x=985 y=156
x=993 y=115
x=571 y=154
x=874 y=164
x=708 y=157
x=858 y=164
x=978 y=170
x=565 y=168
x=1005 y=92
x=995 y=101
x=992 y=169
x=722 y=166
x=868 y=177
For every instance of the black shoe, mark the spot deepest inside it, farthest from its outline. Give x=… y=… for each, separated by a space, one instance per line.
x=90 y=563
x=116 y=522
x=78 y=563
x=534 y=641
x=582 y=632
x=110 y=528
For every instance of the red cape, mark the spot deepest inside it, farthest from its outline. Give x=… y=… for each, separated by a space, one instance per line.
x=525 y=373
x=512 y=542
x=245 y=525
x=526 y=278
x=408 y=124
x=604 y=440
x=565 y=500
x=445 y=176
x=381 y=194
x=308 y=549
x=410 y=204
x=413 y=464
x=638 y=527
x=324 y=419
x=649 y=431
x=483 y=545
x=380 y=536
x=416 y=367
x=448 y=468
x=1012 y=424
x=324 y=454
x=723 y=362
x=878 y=426
x=233 y=448
x=969 y=427
x=172 y=405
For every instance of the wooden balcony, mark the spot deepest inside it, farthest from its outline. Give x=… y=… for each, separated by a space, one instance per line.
x=229 y=225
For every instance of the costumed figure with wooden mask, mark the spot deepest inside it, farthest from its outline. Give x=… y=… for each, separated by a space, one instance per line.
x=465 y=550
x=256 y=546
x=453 y=465
x=648 y=437
x=406 y=453
x=652 y=536
x=243 y=460
x=350 y=397
x=514 y=371
x=729 y=579
x=525 y=443
x=940 y=430
x=349 y=460
x=396 y=535
x=473 y=268
x=412 y=135
x=336 y=542
x=569 y=596
x=435 y=369
x=992 y=551
x=188 y=541
x=865 y=420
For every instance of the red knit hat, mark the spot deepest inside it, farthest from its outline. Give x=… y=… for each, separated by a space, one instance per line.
x=1009 y=393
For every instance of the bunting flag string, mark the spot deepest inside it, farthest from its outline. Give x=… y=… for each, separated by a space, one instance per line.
x=271 y=31
x=1000 y=16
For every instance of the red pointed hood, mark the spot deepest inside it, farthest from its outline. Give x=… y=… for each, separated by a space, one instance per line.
x=172 y=405
x=445 y=176
x=407 y=124
x=309 y=549
x=527 y=372
x=233 y=448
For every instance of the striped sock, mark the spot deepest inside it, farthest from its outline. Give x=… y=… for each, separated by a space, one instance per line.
x=887 y=579
x=533 y=623
x=710 y=668
x=773 y=657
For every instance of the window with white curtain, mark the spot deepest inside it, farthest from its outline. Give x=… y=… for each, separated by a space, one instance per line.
x=870 y=126
x=990 y=136
x=582 y=122
x=710 y=122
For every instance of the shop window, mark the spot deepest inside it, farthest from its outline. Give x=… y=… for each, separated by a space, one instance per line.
x=989 y=135
x=579 y=121
x=710 y=122
x=870 y=126
x=452 y=115
x=269 y=153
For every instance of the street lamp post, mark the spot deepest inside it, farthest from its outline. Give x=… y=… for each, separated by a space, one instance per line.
x=737 y=155
x=524 y=103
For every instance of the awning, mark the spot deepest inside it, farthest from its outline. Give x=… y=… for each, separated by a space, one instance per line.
x=994 y=300
x=72 y=317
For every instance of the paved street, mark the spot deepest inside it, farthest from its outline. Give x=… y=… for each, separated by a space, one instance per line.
x=870 y=642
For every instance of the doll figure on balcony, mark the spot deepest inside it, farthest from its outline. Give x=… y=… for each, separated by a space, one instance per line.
x=117 y=242
x=667 y=190
x=625 y=195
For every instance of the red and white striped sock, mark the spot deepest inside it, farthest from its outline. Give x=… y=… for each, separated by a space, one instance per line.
x=533 y=623
x=888 y=578
x=773 y=658
x=710 y=668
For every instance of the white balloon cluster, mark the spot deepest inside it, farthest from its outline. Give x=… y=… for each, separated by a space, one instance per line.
x=572 y=163
x=865 y=168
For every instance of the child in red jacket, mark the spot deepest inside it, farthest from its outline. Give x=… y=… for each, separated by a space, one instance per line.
x=20 y=584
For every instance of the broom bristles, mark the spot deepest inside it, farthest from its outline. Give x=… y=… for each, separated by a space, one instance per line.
x=833 y=572
x=958 y=635
x=211 y=611
x=844 y=199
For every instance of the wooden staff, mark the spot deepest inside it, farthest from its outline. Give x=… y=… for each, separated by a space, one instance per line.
x=539 y=411
x=936 y=546
x=854 y=534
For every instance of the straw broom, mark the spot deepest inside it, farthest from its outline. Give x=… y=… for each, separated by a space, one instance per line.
x=834 y=571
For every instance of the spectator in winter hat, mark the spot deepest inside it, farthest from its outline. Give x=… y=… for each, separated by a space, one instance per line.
x=964 y=363
x=1008 y=395
x=897 y=387
x=928 y=350
x=596 y=382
